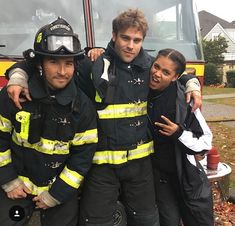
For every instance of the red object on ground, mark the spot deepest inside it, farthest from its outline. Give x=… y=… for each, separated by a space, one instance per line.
x=213 y=158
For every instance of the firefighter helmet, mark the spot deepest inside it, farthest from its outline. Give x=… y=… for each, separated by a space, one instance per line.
x=57 y=39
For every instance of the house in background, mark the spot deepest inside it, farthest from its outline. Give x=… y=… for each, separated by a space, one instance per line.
x=213 y=26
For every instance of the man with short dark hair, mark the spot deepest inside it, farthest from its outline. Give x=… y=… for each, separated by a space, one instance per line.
x=46 y=148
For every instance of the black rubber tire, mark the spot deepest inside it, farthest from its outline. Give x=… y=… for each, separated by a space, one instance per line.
x=120 y=215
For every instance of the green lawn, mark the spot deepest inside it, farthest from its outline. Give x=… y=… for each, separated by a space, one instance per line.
x=213 y=90
x=207 y=90
x=226 y=101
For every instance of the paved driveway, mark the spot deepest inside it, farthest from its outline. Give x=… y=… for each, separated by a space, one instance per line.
x=219 y=112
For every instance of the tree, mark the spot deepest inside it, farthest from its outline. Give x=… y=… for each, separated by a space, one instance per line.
x=214 y=49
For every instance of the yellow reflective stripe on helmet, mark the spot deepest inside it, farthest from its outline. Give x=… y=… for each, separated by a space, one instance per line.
x=44 y=145
x=5 y=125
x=35 y=190
x=24 y=118
x=71 y=177
x=87 y=137
x=122 y=156
x=123 y=110
x=97 y=98
x=5 y=157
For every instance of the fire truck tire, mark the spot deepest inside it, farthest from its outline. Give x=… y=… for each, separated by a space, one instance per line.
x=120 y=215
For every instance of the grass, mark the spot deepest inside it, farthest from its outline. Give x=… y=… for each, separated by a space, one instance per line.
x=223 y=140
x=207 y=90
x=214 y=90
x=226 y=101
x=223 y=136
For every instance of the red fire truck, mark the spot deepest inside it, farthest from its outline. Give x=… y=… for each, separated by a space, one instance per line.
x=173 y=24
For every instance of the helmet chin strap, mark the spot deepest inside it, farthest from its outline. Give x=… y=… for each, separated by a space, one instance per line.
x=40 y=71
x=41 y=74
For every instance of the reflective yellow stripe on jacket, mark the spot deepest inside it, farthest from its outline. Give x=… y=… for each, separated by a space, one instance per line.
x=44 y=145
x=35 y=190
x=71 y=177
x=5 y=157
x=57 y=147
x=123 y=110
x=88 y=137
x=5 y=124
x=122 y=156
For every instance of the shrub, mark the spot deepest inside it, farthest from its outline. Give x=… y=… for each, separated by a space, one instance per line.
x=230 y=74
x=210 y=74
x=232 y=82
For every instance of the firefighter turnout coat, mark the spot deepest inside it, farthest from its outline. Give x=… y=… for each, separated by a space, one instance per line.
x=121 y=102
x=50 y=143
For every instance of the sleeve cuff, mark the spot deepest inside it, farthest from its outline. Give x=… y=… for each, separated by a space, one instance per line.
x=193 y=85
x=178 y=132
x=12 y=185
x=19 y=77
x=48 y=199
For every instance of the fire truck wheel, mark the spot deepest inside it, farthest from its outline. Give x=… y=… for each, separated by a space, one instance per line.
x=119 y=215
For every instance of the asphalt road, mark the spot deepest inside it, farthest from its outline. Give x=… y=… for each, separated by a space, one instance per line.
x=219 y=112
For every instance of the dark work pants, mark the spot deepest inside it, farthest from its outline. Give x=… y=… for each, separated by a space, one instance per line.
x=171 y=205
x=62 y=215
x=102 y=189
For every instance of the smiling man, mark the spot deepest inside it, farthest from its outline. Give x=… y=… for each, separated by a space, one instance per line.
x=46 y=148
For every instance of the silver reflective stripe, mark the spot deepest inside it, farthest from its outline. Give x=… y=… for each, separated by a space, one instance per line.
x=121 y=156
x=123 y=111
x=5 y=124
x=44 y=145
x=87 y=137
x=35 y=190
x=5 y=157
x=71 y=177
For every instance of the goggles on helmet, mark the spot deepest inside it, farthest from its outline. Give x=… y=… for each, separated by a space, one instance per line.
x=55 y=43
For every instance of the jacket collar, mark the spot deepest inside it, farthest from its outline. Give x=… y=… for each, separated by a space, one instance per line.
x=38 y=91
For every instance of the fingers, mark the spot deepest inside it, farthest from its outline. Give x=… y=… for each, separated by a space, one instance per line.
x=197 y=103
x=17 y=103
x=26 y=94
x=188 y=97
x=93 y=54
x=168 y=121
x=16 y=194
x=39 y=203
x=167 y=129
x=14 y=92
x=164 y=133
x=27 y=190
x=197 y=99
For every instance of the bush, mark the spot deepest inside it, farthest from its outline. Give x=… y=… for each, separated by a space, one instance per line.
x=210 y=74
x=230 y=75
x=232 y=82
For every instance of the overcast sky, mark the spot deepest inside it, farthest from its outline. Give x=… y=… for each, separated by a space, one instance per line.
x=225 y=9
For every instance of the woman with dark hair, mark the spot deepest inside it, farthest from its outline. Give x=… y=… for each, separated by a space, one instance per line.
x=182 y=188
